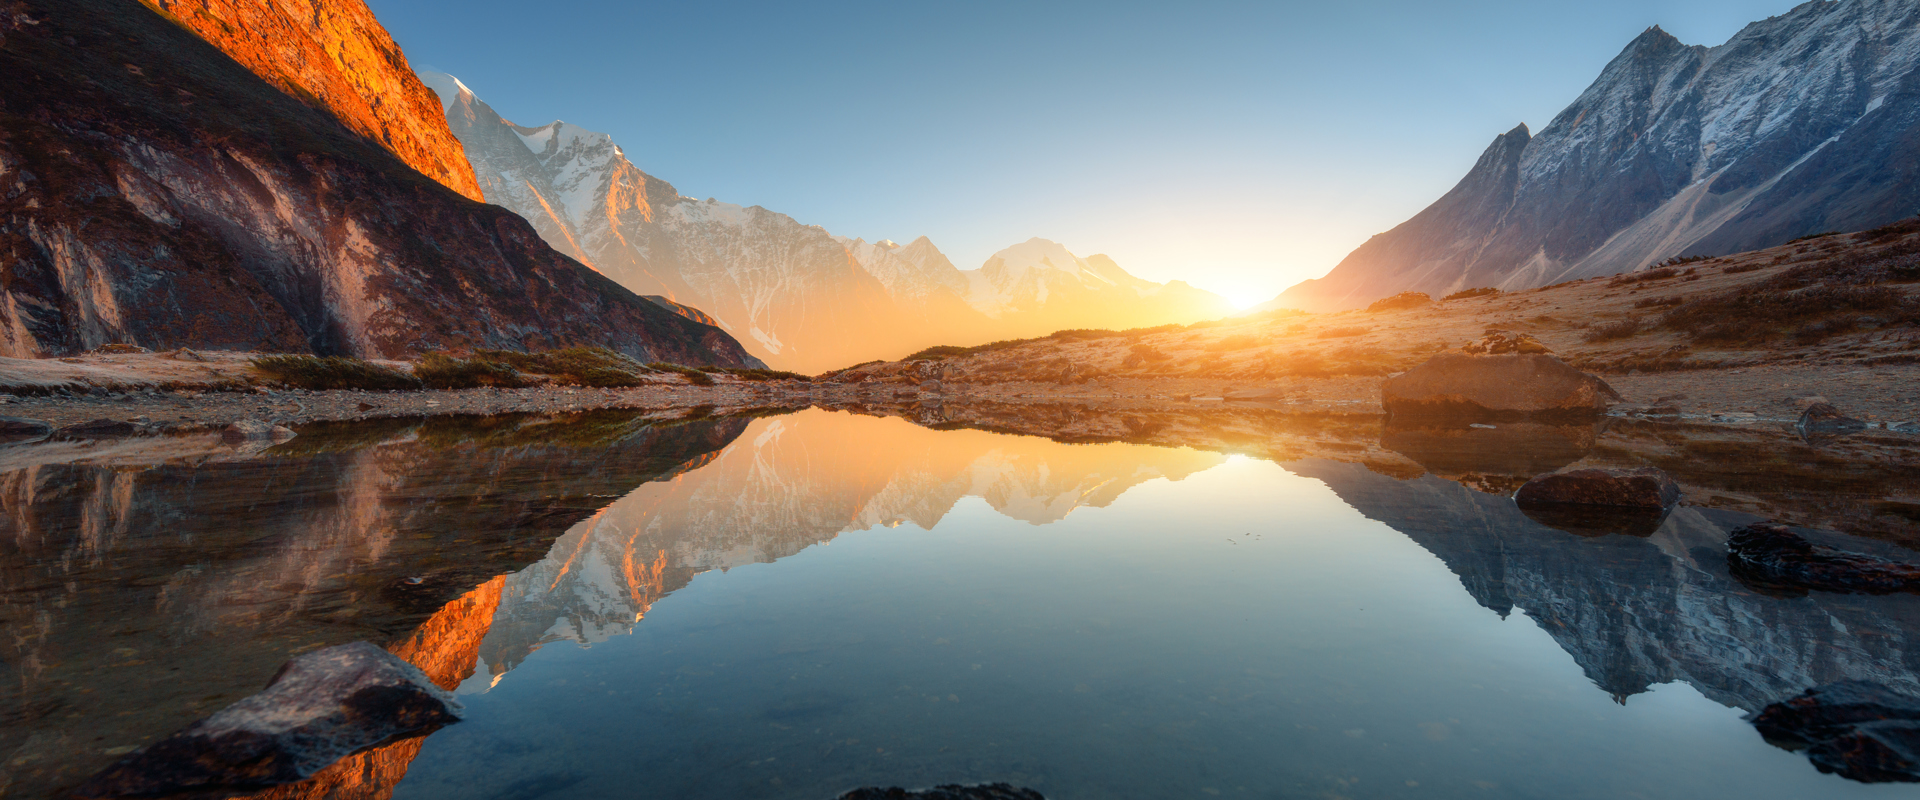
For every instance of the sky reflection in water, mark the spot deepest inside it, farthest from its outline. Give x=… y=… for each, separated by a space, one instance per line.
x=1197 y=626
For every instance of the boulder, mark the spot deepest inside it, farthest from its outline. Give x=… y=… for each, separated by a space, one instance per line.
x=1772 y=555
x=253 y=430
x=98 y=429
x=1645 y=487
x=991 y=791
x=15 y=429
x=1858 y=730
x=1824 y=418
x=321 y=707
x=1511 y=385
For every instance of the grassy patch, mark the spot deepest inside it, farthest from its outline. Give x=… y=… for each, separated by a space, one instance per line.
x=1484 y=291
x=597 y=367
x=1612 y=331
x=693 y=376
x=321 y=373
x=1400 y=301
x=1341 y=333
x=766 y=375
x=441 y=371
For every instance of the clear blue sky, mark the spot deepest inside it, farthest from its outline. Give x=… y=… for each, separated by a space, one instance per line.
x=1242 y=147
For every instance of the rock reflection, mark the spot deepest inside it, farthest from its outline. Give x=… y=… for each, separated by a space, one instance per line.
x=146 y=583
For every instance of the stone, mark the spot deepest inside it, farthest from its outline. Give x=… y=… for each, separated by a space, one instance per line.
x=321 y=707
x=1861 y=731
x=1823 y=418
x=15 y=429
x=98 y=429
x=1512 y=385
x=1804 y=403
x=1668 y=406
x=990 y=791
x=932 y=387
x=1771 y=555
x=1645 y=487
x=253 y=430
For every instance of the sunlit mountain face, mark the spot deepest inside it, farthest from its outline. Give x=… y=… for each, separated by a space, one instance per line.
x=617 y=595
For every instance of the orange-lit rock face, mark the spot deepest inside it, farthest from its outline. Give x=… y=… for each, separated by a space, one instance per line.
x=334 y=55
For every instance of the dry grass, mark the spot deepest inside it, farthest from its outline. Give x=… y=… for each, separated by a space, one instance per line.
x=1400 y=301
x=323 y=373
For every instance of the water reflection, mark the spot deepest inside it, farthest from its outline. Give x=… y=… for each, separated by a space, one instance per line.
x=796 y=482
x=147 y=583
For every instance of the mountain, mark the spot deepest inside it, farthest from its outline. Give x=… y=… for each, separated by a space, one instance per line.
x=1037 y=287
x=1803 y=123
x=798 y=296
x=334 y=55
x=162 y=194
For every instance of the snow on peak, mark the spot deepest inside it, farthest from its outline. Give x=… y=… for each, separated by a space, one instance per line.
x=449 y=88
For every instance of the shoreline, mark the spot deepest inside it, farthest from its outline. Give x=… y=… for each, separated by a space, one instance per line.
x=1770 y=394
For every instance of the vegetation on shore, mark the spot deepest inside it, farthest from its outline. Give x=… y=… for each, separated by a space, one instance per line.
x=591 y=367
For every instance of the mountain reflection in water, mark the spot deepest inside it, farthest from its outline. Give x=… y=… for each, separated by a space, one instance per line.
x=1242 y=631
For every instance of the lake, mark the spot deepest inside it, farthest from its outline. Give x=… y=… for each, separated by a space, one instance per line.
x=793 y=605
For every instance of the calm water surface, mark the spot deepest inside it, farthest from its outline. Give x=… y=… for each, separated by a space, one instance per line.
x=788 y=607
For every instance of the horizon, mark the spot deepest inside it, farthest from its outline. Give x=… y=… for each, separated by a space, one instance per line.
x=1297 y=166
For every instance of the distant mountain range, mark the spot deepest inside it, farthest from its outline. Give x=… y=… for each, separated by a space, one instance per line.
x=261 y=175
x=1800 y=124
x=799 y=297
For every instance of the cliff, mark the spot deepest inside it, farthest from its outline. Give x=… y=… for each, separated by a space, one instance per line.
x=335 y=56
x=157 y=192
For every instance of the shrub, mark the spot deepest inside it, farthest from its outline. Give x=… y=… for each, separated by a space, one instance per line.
x=1736 y=269
x=440 y=371
x=597 y=367
x=1611 y=331
x=766 y=375
x=1771 y=309
x=1655 y=274
x=694 y=376
x=1400 y=301
x=1339 y=333
x=1812 y=236
x=1235 y=342
x=320 y=373
x=1658 y=302
x=1084 y=333
x=1485 y=291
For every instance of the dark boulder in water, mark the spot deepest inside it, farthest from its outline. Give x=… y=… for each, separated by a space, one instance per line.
x=1772 y=555
x=1858 y=730
x=321 y=707
x=1644 y=487
x=98 y=429
x=1822 y=418
x=991 y=791
x=14 y=429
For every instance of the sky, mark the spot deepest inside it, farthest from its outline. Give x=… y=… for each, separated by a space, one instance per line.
x=1241 y=147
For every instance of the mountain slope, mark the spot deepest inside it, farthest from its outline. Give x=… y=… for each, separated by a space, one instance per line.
x=159 y=193
x=790 y=291
x=1799 y=124
x=798 y=296
x=336 y=56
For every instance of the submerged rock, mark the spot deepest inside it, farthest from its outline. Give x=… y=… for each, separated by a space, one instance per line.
x=990 y=791
x=1645 y=488
x=1858 y=730
x=14 y=429
x=1769 y=553
x=98 y=429
x=253 y=430
x=1497 y=385
x=321 y=707
x=1824 y=418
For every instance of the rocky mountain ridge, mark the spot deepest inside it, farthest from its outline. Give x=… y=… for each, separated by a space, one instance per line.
x=335 y=56
x=158 y=193
x=1800 y=124
x=800 y=297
